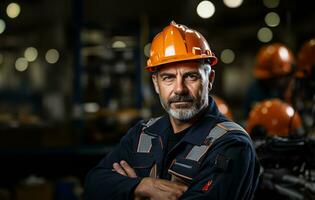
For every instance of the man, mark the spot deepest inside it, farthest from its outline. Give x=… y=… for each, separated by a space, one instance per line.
x=194 y=152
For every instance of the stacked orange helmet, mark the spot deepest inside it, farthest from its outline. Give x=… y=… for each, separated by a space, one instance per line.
x=303 y=87
x=276 y=116
x=223 y=107
x=306 y=59
x=273 y=60
x=178 y=43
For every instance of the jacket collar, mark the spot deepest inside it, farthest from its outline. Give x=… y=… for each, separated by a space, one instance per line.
x=199 y=130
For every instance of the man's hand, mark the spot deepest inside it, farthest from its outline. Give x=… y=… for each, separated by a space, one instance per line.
x=152 y=188
x=124 y=169
x=157 y=189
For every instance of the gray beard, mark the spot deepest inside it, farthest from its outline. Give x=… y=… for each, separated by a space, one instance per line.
x=185 y=114
x=198 y=104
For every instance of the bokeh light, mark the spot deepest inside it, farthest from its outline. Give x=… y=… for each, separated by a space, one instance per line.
x=30 y=54
x=264 y=34
x=272 y=19
x=13 y=10
x=205 y=9
x=227 y=56
x=21 y=64
x=233 y=3
x=52 y=56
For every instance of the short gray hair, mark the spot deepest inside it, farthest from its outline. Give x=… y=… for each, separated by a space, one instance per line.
x=206 y=67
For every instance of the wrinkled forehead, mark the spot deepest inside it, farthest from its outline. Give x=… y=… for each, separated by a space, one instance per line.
x=181 y=66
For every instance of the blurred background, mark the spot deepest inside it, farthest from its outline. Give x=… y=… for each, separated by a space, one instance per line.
x=72 y=79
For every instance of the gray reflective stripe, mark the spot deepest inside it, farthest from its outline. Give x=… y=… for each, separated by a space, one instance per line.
x=183 y=165
x=197 y=152
x=145 y=143
x=232 y=126
x=152 y=121
x=145 y=140
x=218 y=131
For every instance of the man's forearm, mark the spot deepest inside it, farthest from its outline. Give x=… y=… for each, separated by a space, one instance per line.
x=104 y=183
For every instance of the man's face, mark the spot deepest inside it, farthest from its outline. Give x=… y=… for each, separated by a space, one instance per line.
x=183 y=88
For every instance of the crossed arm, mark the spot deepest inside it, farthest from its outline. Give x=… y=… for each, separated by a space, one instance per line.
x=152 y=188
x=114 y=178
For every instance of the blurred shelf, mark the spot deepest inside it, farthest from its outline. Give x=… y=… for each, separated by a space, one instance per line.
x=50 y=163
x=82 y=150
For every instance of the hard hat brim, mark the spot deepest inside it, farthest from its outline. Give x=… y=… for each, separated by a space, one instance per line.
x=153 y=68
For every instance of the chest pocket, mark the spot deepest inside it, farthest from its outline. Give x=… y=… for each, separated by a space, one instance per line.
x=183 y=170
x=143 y=163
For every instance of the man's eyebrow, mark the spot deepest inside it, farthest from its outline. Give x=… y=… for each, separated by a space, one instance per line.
x=185 y=73
x=166 y=74
x=191 y=73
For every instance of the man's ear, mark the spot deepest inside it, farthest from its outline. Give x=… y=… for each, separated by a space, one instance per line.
x=211 y=78
x=155 y=83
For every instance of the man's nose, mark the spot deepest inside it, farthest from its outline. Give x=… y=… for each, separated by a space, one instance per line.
x=180 y=86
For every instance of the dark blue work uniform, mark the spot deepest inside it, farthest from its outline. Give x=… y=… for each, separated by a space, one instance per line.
x=228 y=170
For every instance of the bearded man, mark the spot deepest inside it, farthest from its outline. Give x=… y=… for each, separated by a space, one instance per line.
x=194 y=152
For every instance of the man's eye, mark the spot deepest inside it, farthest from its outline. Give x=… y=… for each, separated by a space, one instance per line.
x=192 y=77
x=167 y=78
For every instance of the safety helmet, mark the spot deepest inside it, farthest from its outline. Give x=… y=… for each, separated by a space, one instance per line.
x=178 y=43
x=306 y=59
x=223 y=107
x=276 y=116
x=273 y=60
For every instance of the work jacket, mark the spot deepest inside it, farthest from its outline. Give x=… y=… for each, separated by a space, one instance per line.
x=215 y=158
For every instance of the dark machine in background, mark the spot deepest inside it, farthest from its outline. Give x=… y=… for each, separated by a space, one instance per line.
x=288 y=163
x=288 y=168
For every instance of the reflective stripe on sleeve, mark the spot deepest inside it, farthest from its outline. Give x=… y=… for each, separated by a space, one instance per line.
x=145 y=143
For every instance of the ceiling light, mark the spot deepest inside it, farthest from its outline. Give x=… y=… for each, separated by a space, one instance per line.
x=2 y=26
x=264 y=34
x=227 y=56
x=233 y=3
x=13 y=10
x=272 y=19
x=21 y=64
x=30 y=54
x=271 y=3
x=205 y=9
x=52 y=56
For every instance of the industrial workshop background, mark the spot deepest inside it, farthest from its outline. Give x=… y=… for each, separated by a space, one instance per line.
x=72 y=82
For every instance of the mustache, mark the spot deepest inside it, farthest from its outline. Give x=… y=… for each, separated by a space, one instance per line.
x=180 y=98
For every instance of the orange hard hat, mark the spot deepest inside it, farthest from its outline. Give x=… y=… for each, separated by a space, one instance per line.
x=273 y=60
x=306 y=59
x=276 y=116
x=178 y=43
x=223 y=107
